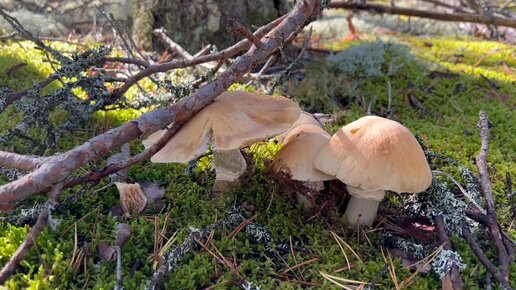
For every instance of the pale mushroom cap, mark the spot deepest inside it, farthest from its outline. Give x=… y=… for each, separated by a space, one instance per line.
x=132 y=198
x=374 y=153
x=233 y=120
x=302 y=145
x=304 y=118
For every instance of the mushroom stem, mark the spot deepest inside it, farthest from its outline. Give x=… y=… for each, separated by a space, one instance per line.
x=363 y=205
x=228 y=165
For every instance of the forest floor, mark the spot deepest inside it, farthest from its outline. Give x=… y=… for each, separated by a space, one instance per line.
x=438 y=87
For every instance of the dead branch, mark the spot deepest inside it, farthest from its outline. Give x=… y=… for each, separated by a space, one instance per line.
x=60 y=167
x=504 y=257
x=232 y=51
x=505 y=251
x=444 y=240
x=33 y=234
x=161 y=33
x=182 y=63
x=23 y=162
x=455 y=17
x=238 y=29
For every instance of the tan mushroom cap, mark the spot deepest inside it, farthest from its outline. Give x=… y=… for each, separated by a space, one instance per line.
x=297 y=157
x=374 y=153
x=233 y=120
x=304 y=118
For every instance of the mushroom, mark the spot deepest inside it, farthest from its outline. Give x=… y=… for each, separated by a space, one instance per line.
x=304 y=118
x=132 y=198
x=297 y=156
x=234 y=120
x=372 y=155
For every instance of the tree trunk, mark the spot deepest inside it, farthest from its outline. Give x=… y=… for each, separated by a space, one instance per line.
x=194 y=23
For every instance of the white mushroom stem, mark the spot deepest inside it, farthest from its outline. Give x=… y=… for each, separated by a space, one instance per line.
x=363 y=205
x=229 y=166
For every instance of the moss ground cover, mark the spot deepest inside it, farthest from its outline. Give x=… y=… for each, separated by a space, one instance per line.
x=437 y=86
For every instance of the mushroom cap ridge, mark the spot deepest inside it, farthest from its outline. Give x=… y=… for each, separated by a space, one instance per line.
x=235 y=119
x=304 y=118
x=374 y=153
x=297 y=156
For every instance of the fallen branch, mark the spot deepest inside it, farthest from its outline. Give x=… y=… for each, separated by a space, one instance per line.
x=504 y=251
x=455 y=17
x=33 y=234
x=444 y=240
x=237 y=28
x=161 y=33
x=60 y=167
x=182 y=63
x=23 y=162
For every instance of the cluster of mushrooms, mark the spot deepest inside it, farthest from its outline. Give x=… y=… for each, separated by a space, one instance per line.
x=370 y=155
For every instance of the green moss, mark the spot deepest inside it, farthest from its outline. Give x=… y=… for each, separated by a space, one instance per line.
x=447 y=124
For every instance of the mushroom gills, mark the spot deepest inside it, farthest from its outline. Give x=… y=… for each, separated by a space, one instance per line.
x=229 y=165
x=363 y=206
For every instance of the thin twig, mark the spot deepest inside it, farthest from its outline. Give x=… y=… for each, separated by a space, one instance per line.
x=504 y=258
x=460 y=17
x=161 y=33
x=33 y=234
x=444 y=240
x=237 y=28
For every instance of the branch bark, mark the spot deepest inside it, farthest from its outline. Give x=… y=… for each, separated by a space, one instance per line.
x=444 y=239
x=58 y=168
x=23 y=162
x=504 y=257
x=161 y=33
x=456 y=17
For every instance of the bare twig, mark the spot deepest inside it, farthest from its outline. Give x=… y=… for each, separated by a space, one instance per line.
x=237 y=28
x=504 y=257
x=182 y=63
x=444 y=240
x=161 y=33
x=33 y=234
x=456 y=17
x=504 y=250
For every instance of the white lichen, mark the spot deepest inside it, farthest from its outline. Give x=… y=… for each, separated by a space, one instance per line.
x=444 y=261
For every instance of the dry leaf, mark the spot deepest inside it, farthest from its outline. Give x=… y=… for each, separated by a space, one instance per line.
x=105 y=251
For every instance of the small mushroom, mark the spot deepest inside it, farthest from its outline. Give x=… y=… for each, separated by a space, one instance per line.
x=372 y=155
x=132 y=198
x=304 y=118
x=297 y=156
x=233 y=120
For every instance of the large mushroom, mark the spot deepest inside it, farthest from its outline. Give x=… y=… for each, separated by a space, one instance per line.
x=372 y=155
x=233 y=120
